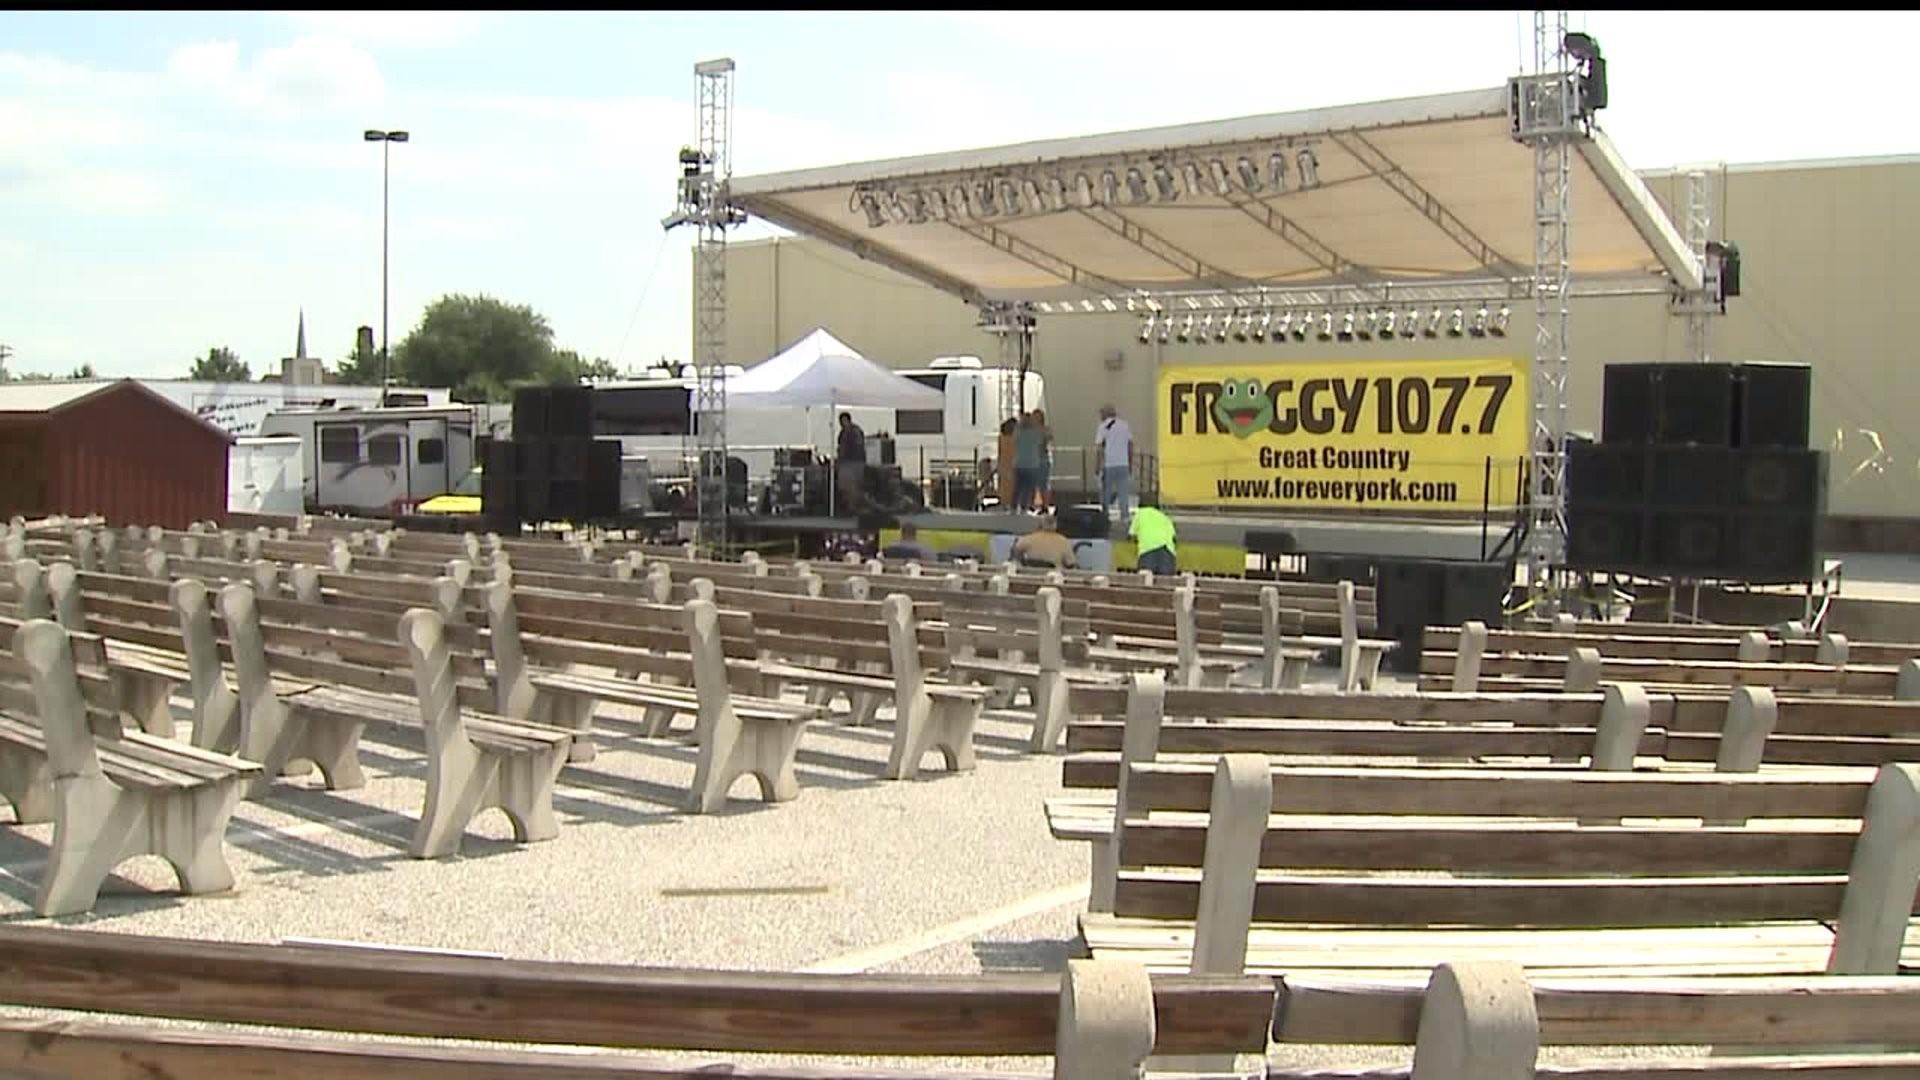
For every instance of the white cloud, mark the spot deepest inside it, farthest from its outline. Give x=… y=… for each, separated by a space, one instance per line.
x=325 y=72
x=420 y=29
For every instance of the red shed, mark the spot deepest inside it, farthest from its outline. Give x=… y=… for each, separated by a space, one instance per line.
x=116 y=449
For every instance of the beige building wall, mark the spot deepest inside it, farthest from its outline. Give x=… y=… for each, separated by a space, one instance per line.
x=1831 y=254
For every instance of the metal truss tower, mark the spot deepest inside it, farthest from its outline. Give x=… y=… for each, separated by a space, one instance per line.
x=1698 y=307
x=1014 y=325
x=704 y=202
x=1548 y=117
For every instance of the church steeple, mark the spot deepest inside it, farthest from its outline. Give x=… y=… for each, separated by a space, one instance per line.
x=300 y=342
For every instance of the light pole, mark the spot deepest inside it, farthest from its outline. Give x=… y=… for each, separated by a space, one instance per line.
x=386 y=139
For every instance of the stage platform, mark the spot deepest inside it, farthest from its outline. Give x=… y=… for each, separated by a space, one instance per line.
x=1297 y=535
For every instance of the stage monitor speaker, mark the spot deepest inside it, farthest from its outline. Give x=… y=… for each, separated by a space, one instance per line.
x=1696 y=404
x=1780 y=479
x=1629 y=400
x=572 y=457
x=1084 y=521
x=1690 y=477
x=1602 y=473
x=530 y=409
x=603 y=480
x=533 y=470
x=1772 y=547
x=1612 y=538
x=499 y=484
x=1776 y=405
x=570 y=412
x=1413 y=594
x=1688 y=544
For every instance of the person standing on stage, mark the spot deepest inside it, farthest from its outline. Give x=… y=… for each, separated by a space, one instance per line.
x=1029 y=460
x=1113 y=445
x=850 y=465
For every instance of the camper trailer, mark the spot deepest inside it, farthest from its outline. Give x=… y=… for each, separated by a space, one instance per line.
x=379 y=461
x=653 y=418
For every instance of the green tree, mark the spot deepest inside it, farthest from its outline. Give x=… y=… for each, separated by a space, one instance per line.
x=570 y=367
x=84 y=371
x=219 y=365
x=479 y=346
x=361 y=367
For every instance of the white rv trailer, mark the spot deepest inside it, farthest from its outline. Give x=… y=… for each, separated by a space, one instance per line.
x=653 y=417
x=380 y=461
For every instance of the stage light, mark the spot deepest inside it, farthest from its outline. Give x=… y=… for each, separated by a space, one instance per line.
x=1163 y=180
x=1146 y=329
x=1410 y=323
x=1009 y=198
x=1246 y=324
x=1433 y=323
x=1186 y=330
x=1137 y=187
x=1221 y=185
x=1346 y=327
x=1388 y=319
x=896 y=210
x=960 y=202
x=1266 y=324
x=1206 y=330
x=1058 y=189
x=1498 y=328
x=1479 y=327
x=1220 y=333
x=935 y=203
x=1190 y=173
x=1110 y=188
x=1036 y=202
x=1249 y=176
x=1325 y=333
x=1166 y=328
x=871 y=204
x=1277 y=171
x=983 y=204
x=1456 y=323
x=1309 y=165
x=1083 y=189
x=1283 y=327
x=917 y=206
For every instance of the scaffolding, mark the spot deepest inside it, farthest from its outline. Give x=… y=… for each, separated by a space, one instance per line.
x=1548 y=116
x=704 y=202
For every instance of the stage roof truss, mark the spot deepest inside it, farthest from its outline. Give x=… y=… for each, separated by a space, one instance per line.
x=1421 y=200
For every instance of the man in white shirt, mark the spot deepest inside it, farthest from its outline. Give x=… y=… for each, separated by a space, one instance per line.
x=1113 y=441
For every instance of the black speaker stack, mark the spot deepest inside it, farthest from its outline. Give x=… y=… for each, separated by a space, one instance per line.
x=552 y=469
x=1702 y=471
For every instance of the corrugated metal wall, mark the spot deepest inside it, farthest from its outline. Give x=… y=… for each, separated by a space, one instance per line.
x=135 y=460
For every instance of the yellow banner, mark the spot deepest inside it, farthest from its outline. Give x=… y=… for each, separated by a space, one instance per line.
x=1410 y=435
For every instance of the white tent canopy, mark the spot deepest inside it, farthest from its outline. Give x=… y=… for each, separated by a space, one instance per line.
x=820 y=369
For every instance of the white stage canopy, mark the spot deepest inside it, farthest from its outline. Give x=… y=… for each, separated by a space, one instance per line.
x=820 y=369
x=1419 y=194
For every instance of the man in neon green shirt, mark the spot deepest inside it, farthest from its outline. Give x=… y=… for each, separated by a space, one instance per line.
x=1152 y=532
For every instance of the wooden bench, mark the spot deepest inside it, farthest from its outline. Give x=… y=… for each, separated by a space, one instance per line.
x=1585 y=668
x=1388 y=871
x=1747 y=646
x=1608 y=730
x=146 y=677
x=541 y=1020
x=111 y=794
x=736 y=733
x=1474 y=1020
x=474 y=761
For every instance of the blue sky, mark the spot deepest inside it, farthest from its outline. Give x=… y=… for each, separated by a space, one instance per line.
x=171 y=182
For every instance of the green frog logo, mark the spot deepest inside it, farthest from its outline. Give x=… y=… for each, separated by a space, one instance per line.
x=1243 y=407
